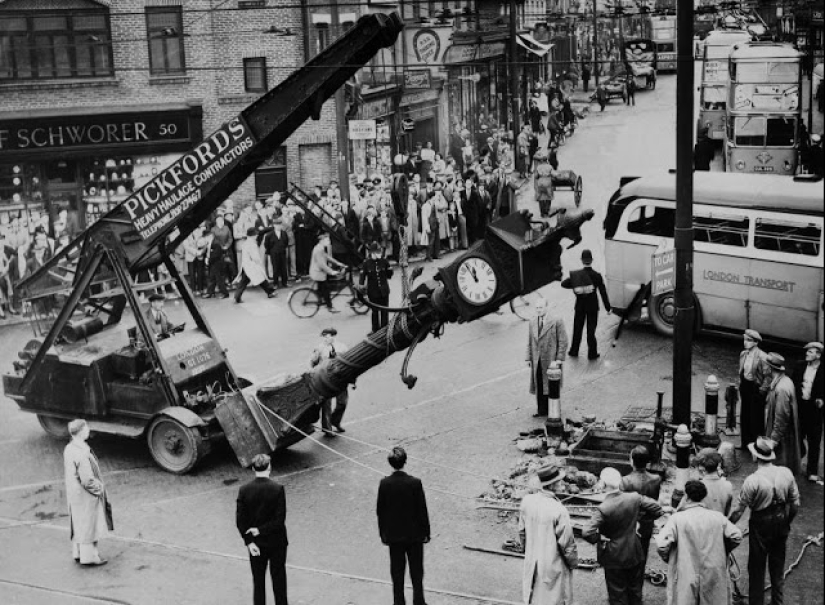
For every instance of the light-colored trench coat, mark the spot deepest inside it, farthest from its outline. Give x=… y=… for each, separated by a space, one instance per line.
x=85 y=493
x=550 y=553
x=251 y=262
x=696 y=541
x=549 y=346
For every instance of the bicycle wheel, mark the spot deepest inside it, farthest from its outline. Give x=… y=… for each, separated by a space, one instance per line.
x=355 y=304
x=304 y=302
x=523 y=306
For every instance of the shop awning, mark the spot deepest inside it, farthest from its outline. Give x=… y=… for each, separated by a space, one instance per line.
x=534 y=46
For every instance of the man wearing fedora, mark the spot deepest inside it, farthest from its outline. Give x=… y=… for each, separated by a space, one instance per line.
x=754 y=382
x=810 y=393
x=782 y=415
x=158 y=320
x=587 y=284
x=612 y=528
x=773 y=497
x=550 y=553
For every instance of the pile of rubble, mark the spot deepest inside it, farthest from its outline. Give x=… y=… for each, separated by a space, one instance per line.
x=512 y=489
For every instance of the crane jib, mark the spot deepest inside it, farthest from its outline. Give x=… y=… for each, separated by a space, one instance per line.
x=154 y=208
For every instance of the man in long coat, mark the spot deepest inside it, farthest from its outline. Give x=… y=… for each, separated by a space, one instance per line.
x=782 y=416
x=546 y=344
x=86 y=496
x=696 y=542
x=550 y=548
x=251 y=271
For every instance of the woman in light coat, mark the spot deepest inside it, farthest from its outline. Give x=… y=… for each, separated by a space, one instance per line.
x=252 y=271
x=412 y=231
x=86 y=496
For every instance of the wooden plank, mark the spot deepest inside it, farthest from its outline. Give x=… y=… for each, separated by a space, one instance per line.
x=243 y=429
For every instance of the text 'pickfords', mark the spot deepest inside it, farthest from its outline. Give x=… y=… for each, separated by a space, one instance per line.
x=179 y=187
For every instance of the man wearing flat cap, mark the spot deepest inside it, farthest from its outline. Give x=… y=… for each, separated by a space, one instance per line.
x=782 y=415
x=810 y=393
x=158 y=320
x=754 y=382
x=550 y=553
x=587 y=284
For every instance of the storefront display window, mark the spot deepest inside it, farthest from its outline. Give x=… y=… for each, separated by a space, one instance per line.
x=21 y=202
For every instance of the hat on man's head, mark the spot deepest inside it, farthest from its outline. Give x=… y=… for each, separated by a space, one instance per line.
x=776 y=361
x=329 y=331
x=374 y=247
x=814 y=345
x=155 y=297
x=587 y=257
x=753 y=335
x=762 y=449
x=277 y=221
x=550 y=474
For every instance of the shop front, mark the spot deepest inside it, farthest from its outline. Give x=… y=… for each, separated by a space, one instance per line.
x=373 y=155
x=420 y=109
x=477 y=76
x=83 y=163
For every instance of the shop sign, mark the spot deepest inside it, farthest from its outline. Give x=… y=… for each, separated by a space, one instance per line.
x=490 y=50
x=361 y=130
x=426 y=45
x=417 y=78
x=460 y=53
x=376 y=108
x=407 y=125
x=156 y=207
x=72 y=132
x=420 y=97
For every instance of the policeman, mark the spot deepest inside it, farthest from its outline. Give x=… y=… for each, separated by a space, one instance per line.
x=584 y=283
x=376 y=272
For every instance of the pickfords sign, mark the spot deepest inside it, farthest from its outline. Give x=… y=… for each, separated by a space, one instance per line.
x=179 y=187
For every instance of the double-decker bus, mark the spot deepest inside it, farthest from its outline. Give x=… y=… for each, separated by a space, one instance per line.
x=663 y=28
x=713 y=91
x=764 y=110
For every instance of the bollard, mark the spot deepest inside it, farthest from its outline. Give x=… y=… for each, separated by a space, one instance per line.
x=682 y=439
x=710 y=438
x=554 y=426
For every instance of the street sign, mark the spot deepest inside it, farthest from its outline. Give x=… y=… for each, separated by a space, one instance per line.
x=663 y=271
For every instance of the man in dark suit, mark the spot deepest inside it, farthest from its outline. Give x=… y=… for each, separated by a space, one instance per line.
x=613 y=529
x=644 y=483
x=276 y=244
x=260 y=517
x=810 y=391
x=158 y=320
x=404 y=526
x=587 y=284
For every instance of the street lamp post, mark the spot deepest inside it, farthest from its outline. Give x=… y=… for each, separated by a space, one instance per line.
x=514 y=79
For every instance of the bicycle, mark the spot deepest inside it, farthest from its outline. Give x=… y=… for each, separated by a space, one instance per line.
x=304 y=301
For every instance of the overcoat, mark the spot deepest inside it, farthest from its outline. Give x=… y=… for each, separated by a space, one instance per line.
x=695 y=542
x=550 y=553
x=549 y=346
x=85 y=494
x=251 y=263
x=782 y=423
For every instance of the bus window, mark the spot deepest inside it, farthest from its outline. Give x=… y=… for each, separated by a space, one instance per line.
x=665 y=47
x=788 y=237
x=783 y=72
x=714 y=97
x=652 y=220
x=749 y=132
x=780 y=132
x=719 y=229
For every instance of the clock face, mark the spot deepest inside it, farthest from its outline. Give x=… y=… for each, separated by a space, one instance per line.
x=476 y=280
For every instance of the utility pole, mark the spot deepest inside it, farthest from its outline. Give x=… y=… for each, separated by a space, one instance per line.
x=683 y=233
x=514 y=78
x=595 y=66
x=341 y=134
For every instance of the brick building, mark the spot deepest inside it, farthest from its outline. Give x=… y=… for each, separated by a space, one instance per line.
x=100 y=95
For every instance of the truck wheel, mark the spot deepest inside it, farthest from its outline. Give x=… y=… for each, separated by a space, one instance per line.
x=176 y=448
x=662 y=312
x=55 y=427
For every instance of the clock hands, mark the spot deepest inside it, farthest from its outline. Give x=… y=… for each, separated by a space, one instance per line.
x=473 y=273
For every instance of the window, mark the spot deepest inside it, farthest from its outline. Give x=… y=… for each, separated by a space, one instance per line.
x=165 y=28
x=716 y=228
x=271 y=176
x=652 y=220
x=43 y=45
x=322 y=36
x=254 y=74
x=787 y=236
x=761 y=132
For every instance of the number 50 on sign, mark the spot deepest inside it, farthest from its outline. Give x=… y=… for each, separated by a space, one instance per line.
x=663 y=272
